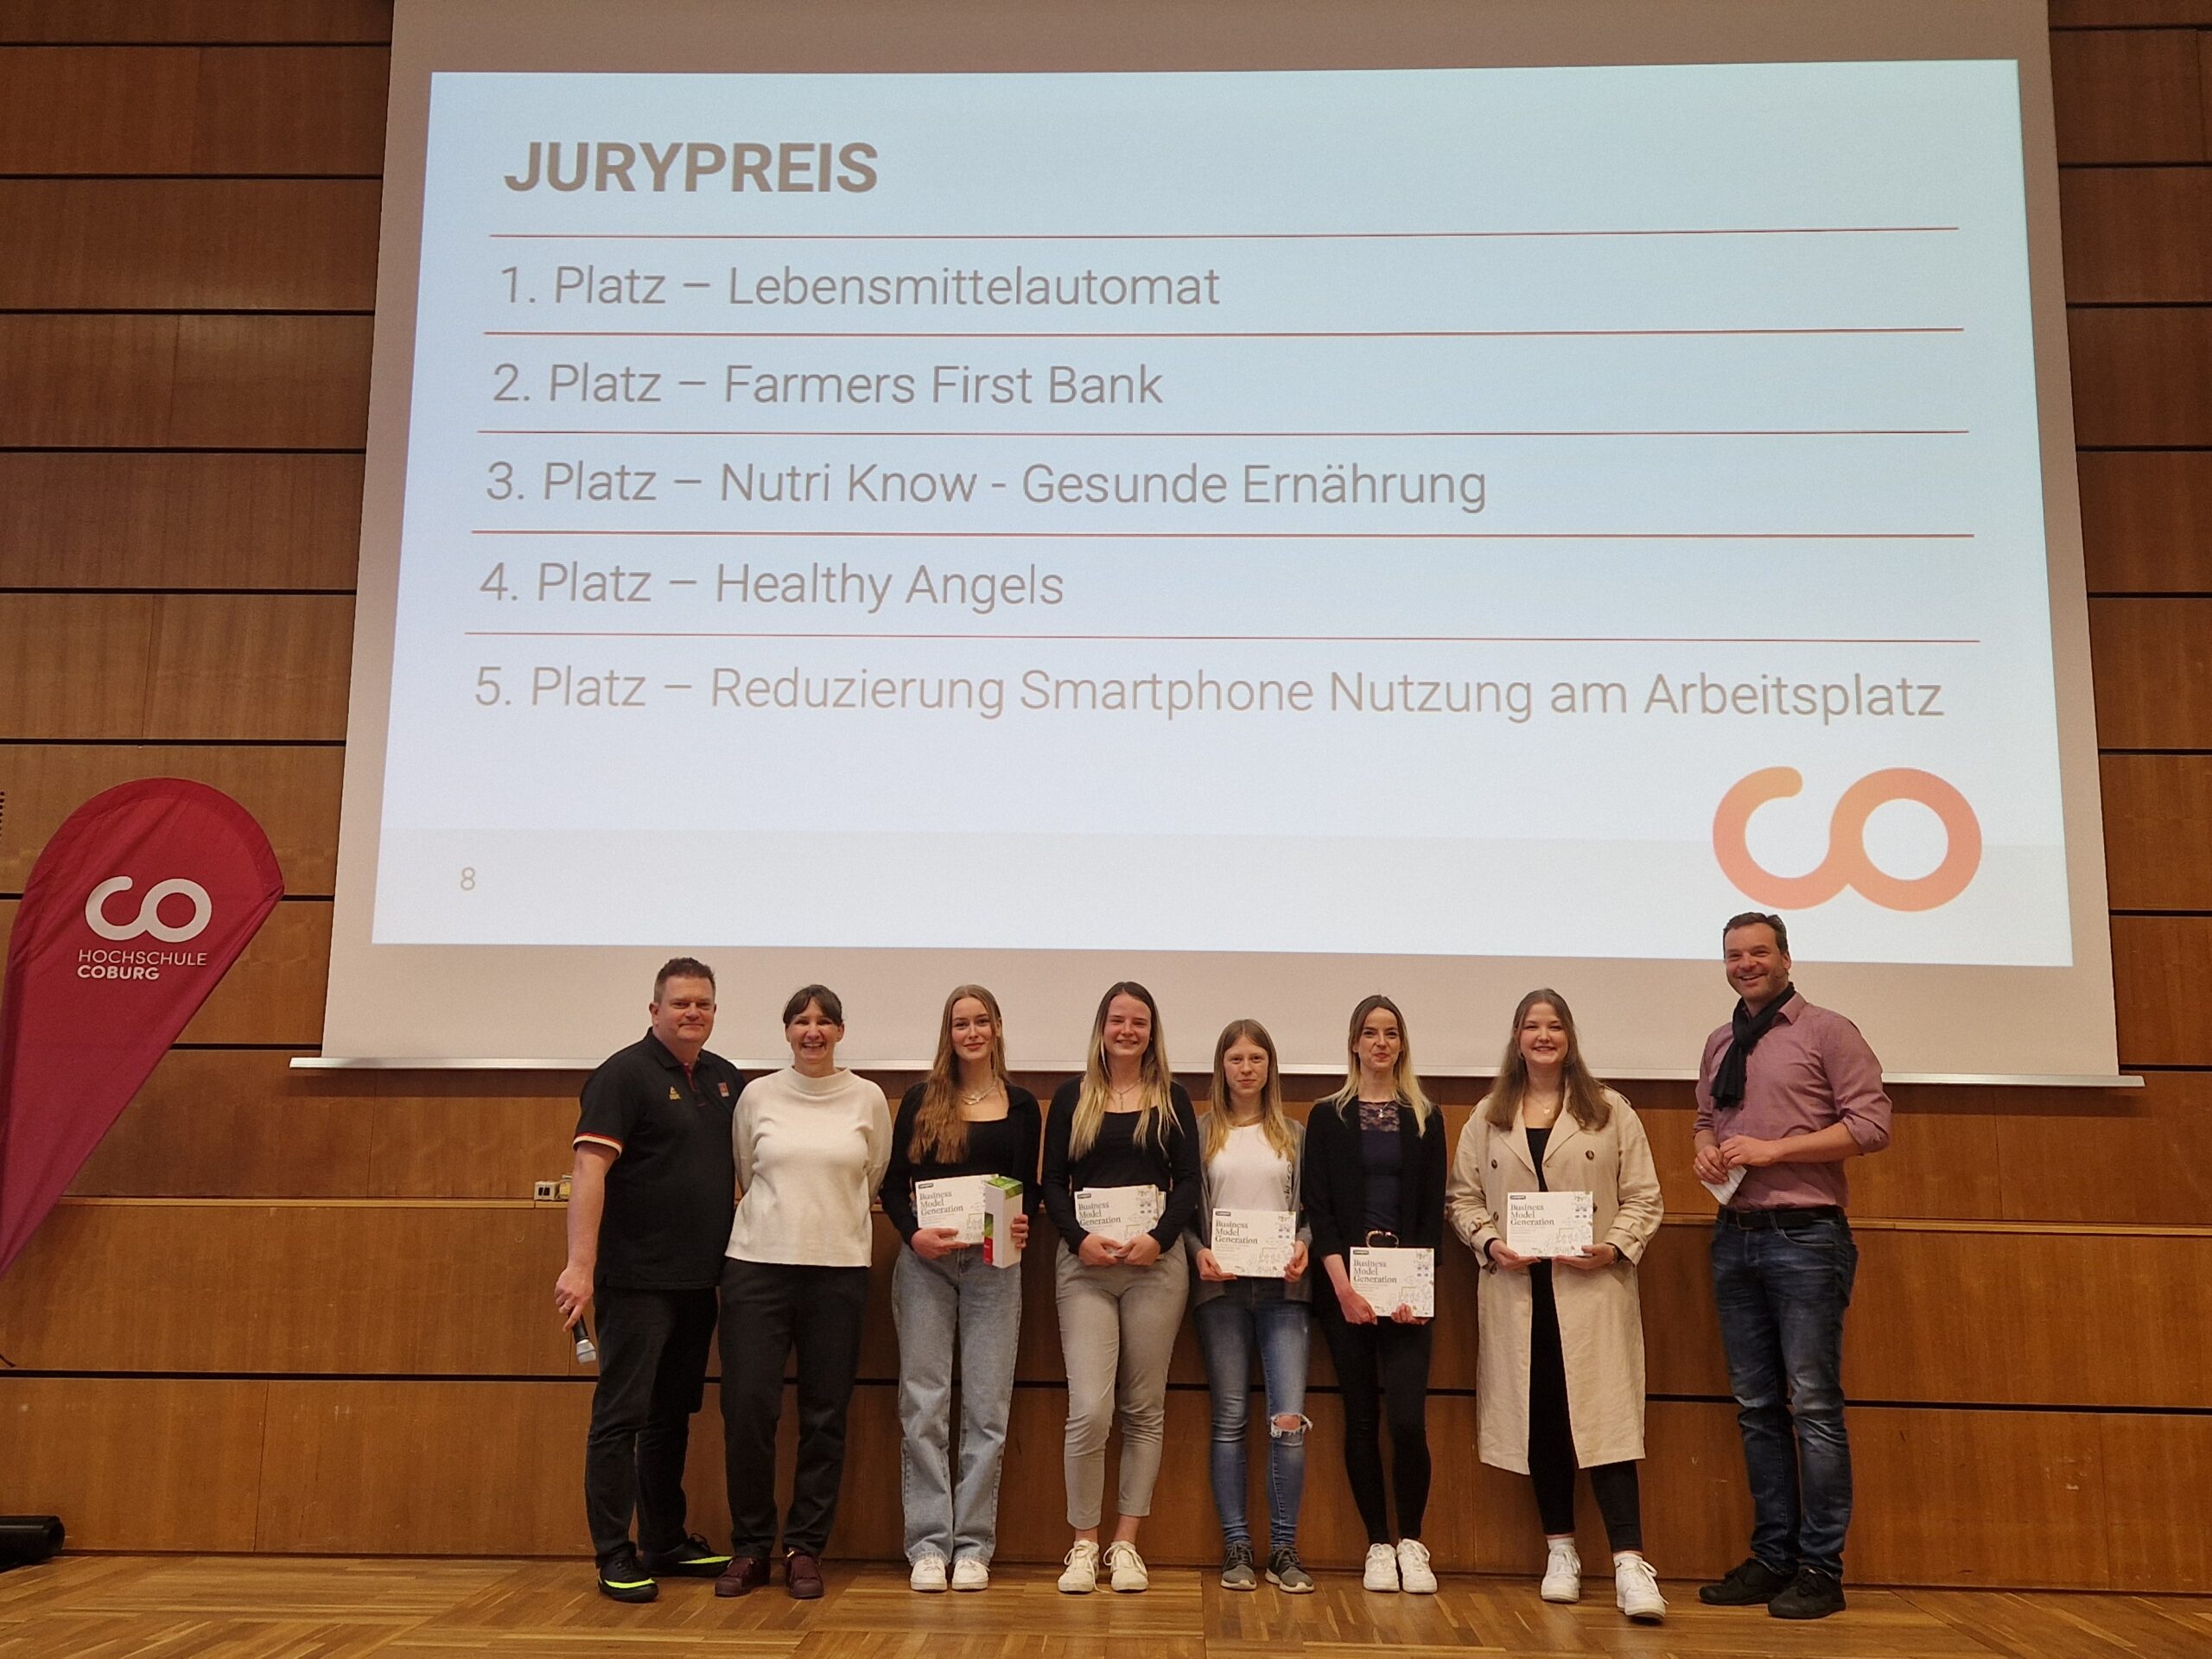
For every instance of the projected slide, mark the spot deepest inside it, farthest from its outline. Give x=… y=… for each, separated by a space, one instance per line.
x=1521 y=512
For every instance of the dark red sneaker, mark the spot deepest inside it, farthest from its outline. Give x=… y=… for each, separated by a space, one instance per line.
x=745 y=1574
x=803 y=1575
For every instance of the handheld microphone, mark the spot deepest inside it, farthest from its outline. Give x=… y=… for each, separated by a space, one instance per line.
x=586 y=1354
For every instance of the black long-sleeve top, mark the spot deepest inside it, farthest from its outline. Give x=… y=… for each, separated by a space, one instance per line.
x=1006 y=1146
x=1335 y=1178
x=1115 y=1159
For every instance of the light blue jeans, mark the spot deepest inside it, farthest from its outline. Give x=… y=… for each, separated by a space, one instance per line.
x=1230 y=1327
x=958 y=1296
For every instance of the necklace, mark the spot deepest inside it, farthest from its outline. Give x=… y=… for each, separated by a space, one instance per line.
x=976 y=1096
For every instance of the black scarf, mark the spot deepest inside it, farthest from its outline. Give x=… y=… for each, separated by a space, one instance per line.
x=1728 y=1081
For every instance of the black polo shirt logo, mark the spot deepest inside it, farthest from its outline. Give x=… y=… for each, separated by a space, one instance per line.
x=725 y=1089
x=672 y=1093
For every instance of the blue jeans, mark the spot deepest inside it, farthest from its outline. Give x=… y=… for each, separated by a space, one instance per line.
x=1229 y=1327
x=960 y=1296
x=1780 y=1296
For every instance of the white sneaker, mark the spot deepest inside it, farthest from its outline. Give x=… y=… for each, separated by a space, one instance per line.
x=1126 y=1567
x=928 y=1575
x=969 y=1573
x=1382 y=1572
x=1636 y=1589
x=1081 y=1576
x=1413 y=1575
x=1562 y=1572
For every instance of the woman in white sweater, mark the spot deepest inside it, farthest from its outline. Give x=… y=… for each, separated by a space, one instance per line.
x=812 y=1142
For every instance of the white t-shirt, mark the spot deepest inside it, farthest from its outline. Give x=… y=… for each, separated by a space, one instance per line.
x=1249 y=1174
x=810 y=1154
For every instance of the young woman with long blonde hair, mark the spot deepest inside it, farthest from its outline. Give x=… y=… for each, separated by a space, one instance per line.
x=1121 y=1139
x=1375 y=1176
x=964 y=1119
x=1549 y=1126
x=1254 y=1156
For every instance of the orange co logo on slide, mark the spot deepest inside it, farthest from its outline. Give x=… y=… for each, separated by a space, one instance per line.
x=1847 y=864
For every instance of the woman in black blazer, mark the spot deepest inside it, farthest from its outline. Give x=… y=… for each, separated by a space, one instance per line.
x=1374 y=1168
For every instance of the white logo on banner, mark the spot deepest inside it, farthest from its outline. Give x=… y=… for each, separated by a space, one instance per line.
x=149 y=920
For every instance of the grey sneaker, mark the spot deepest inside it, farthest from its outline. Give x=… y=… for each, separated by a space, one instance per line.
x=1236 y=1570
x=1288 y=1574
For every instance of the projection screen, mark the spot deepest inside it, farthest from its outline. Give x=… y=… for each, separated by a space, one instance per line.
x=1276 y=501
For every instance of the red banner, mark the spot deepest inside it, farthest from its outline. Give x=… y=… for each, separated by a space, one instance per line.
x=136 y=908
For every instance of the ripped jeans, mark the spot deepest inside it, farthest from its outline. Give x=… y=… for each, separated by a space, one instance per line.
x=1230 y=1326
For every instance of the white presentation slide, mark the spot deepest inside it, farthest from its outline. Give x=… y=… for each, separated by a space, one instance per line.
x=1274 y=500
x=1515 y=512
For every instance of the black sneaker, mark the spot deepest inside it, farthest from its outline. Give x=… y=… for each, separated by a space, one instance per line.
x=620 y=1578
x=1748 y=1585
x=1236 y=1569
x=1811 y=1594
x=1288 y=1574
x=694 y=1558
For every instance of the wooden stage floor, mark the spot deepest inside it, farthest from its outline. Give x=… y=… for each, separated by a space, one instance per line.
x=293 y=1607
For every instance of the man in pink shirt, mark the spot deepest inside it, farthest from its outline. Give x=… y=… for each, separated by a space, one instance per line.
x=1785 y=1093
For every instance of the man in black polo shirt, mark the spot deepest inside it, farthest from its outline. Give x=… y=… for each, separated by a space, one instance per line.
x=654 y=1193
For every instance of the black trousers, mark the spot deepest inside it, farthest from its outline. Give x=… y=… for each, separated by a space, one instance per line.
x=653 y=1375
x=1383 y=1367
x=1551 y=1435
x=769 y=1309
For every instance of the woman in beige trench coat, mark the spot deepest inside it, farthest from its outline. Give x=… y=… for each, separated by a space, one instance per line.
x=1561 y=1369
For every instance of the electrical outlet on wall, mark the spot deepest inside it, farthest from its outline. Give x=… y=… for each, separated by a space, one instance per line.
x=543 y=1190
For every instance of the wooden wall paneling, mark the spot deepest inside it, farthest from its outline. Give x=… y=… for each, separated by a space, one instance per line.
x=76 y=382
x=194 y=21
x=2142 y=375
x=2137 y=234
x=190 y=245
x=1942 y=1161
x=75 y=667
x=2127 y=96
x=2134 y=1155
x=2152 y=1545
x=274 y=992
x=2146 y=520
x=135 y=1463
x=221 y=1123
x=147 y=519
x=421 y=1290
x=2160 y=967
x=292 y=793
x=2157 y=830
x=2128 y=14
x=488 y=1468
x=251 y=665
x=162 y=109
x=460 y=1134
x=2019 y=1498
x=97 y=110
x=2132 y=1308
x=137 y=382
x=286 y=110
x=2153 y=668
x=272 y=383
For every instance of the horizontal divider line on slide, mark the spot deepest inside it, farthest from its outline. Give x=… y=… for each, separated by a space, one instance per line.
x=1225 y=639
x=1198 y=236
x=1285 y=535
x=1188 y=334
x=855 y=432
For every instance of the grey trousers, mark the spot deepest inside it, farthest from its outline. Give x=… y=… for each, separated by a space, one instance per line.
x=1117 y=1332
